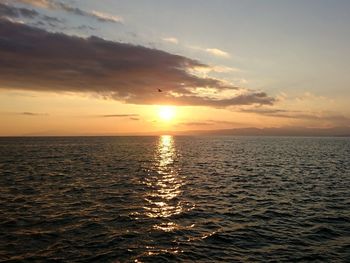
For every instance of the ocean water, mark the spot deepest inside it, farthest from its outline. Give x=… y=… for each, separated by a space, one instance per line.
x=171 y=199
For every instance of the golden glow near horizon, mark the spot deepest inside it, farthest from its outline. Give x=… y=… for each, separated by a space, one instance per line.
x=216 y=80
x=166 y=113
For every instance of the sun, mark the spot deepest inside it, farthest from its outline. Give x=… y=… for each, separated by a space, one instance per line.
x=166 y=113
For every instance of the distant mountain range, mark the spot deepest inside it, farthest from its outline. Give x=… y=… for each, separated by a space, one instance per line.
x=283 y=131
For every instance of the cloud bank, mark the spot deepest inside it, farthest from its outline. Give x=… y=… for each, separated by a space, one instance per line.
x=12 y=12
x=15 y=12
x=34 y=59
x=102 y=17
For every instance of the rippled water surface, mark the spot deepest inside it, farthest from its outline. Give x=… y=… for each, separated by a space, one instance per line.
x=157 y=199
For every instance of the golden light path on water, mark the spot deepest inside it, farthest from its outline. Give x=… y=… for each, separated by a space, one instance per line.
x=165 y=185
x=163 y=198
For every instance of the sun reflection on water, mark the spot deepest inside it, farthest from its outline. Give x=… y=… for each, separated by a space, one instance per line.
x=164 y=197
x=164 y=184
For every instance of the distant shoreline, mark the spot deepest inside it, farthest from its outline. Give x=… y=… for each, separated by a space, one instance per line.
x=263 y=132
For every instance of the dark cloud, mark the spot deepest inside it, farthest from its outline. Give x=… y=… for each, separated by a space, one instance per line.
x=34 y=59
x=8 y=11
x=264 y=111
x=16 y=12
x=77 y=11
x=86 y=27
x=26 y=113
x=102 y=17
x=50 y=19
x=133 y=117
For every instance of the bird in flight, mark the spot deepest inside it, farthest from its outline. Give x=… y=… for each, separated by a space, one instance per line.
x=159 y=90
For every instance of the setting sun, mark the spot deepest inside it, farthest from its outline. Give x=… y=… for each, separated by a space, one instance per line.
x=155 y=131
x=166 y=113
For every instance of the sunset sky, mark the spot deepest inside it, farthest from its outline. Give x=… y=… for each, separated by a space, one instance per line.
x=87 y=67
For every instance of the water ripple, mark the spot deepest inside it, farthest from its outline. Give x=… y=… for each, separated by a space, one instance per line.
x=158 y=199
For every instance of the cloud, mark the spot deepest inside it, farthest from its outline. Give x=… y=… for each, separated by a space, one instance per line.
x=105 y=17
x=172 y=40
x=26 y=113
x=311 y=116
x=132 y=116
x=37 y=3
x=196 y=123
x=219 y=69
x=307 y=96
x=263 y=111
x=213 y=51
x=217 y=52
x=102 y=17
x=85 y=27
x=37 y=60
x=225 y=69
x=12 y=12
x=118 y=115
x=15 y=12
x=209 y=123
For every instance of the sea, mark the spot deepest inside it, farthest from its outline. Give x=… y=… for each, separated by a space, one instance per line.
x=175 y=199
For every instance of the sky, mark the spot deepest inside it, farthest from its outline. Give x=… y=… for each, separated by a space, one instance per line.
x=85 y=67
